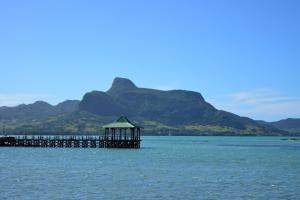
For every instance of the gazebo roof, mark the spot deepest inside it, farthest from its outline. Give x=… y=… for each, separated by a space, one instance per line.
x=122 y=122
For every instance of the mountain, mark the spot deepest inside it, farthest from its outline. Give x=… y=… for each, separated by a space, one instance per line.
x=37 y=110
x=292 y=125
x=177 y=112
x=174 y=107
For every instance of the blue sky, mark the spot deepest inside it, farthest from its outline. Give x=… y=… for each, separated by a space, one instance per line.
x=242 y=56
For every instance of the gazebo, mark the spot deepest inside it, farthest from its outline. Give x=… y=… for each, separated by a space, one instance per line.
x=122 y=134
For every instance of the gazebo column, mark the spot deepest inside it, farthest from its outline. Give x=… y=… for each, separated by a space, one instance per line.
x=133 y=135
x=139 y=138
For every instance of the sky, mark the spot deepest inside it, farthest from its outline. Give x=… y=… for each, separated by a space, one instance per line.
x=243 y=56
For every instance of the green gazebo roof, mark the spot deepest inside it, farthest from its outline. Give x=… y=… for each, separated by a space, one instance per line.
x=122 y=122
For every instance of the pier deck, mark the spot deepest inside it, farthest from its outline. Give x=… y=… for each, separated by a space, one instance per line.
x=68 y=142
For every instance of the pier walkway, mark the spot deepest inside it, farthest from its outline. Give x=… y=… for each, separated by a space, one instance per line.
x=68 y=142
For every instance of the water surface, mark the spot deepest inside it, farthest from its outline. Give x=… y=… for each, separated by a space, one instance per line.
x=164 y=168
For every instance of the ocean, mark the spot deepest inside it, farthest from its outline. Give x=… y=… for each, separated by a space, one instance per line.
x=171 y=167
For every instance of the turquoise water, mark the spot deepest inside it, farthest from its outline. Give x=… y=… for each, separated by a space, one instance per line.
x=164 y=168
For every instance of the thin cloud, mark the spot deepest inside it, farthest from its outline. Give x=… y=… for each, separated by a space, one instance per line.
x=266 y=104
x=260 y=96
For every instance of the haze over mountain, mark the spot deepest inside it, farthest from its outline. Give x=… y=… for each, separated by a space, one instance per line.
x=160 y=112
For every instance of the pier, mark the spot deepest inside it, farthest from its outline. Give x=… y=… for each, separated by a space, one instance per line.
x=119 y=134
x=67 y=142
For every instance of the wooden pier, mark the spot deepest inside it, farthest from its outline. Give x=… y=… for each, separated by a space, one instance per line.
x=119 y=134
x=67 y=142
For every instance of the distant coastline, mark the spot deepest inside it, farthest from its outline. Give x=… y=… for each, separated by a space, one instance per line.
x=159 y=134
